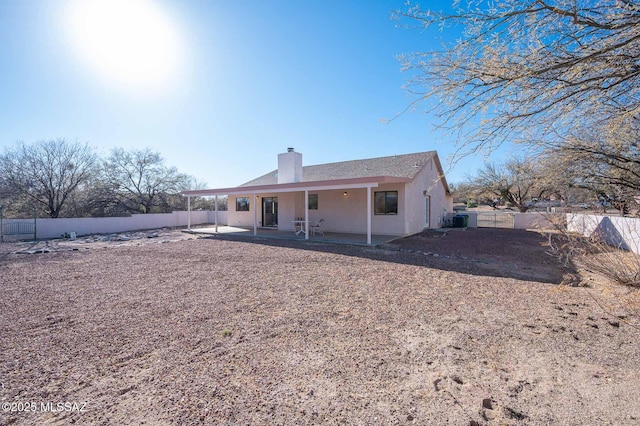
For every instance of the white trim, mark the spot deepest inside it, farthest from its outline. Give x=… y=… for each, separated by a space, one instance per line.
x=255 y=213
x=427 y=216
x=216 y=211
x=336 y=184
x=276 y=190
x=189 y=214
x=369 y=216
x=306 y=214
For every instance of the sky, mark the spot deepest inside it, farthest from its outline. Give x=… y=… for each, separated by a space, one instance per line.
x=219 y=88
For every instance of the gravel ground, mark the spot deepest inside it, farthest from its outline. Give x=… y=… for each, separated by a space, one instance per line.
x=439 y=328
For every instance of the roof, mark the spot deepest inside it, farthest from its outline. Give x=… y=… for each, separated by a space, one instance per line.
x=400 y=166
x=345 y=174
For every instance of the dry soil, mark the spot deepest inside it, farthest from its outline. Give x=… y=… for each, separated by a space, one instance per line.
x=462 y=328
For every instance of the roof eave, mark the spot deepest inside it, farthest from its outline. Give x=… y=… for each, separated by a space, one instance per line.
x=299 y=186
x=441 y=173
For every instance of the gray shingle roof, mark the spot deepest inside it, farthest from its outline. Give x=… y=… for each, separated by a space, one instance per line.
x=402 y=166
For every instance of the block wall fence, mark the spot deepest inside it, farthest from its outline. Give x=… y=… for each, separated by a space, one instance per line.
x=54 y=228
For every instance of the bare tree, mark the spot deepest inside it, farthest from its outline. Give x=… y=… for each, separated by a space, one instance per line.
x=45 y=173
x=605 y=161
x=463 y=192
x=141 y=182
x=528 y=70
x=94 y=200
x=517 y=181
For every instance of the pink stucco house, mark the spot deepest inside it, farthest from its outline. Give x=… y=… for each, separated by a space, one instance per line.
x=396 y=195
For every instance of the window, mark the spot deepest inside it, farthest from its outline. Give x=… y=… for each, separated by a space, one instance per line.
x=313 y=201
x=242 y=204
x=385 y=202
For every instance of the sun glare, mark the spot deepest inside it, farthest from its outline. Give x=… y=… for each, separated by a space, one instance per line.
x=129 y=43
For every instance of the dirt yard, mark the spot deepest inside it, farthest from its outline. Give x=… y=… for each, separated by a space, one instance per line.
x=462 y=328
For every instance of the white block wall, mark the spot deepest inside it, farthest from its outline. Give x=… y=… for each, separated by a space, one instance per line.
x=622 y=232
x=54 y=228
x=536 y=220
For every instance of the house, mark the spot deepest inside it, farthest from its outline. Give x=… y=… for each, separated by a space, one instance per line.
x=396 y=195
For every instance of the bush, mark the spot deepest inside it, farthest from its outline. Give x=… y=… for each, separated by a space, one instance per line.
x=595 y=254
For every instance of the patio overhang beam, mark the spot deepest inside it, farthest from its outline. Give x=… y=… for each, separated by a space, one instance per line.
x=338 y=184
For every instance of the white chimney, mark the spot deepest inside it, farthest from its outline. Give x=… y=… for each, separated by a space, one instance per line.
x=290 y=167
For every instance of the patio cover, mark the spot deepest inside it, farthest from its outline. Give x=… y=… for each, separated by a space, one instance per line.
x=323 y=185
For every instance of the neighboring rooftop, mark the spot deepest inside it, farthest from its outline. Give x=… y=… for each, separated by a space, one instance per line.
x=402 y=166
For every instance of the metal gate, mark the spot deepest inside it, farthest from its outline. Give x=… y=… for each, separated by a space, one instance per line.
x=495 y=220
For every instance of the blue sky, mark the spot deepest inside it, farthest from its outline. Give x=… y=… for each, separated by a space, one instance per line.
x=246 y=79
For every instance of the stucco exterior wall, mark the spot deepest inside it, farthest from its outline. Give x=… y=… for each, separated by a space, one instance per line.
x=287 y=209
x=236 y=218
x=389 y=224
x=341 y=213
x=348 y=214
x=440 y=202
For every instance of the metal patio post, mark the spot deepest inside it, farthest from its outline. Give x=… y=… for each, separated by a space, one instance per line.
x=255 y=214
x=369 y=215
x=306 y=214
x=189 y=212
x=216 y=210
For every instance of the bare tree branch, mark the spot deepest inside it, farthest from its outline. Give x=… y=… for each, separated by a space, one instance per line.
x=141 y=182
x=46 y=172
x=526 y=70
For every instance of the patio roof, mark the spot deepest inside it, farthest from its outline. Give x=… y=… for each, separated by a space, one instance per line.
x=321 y=185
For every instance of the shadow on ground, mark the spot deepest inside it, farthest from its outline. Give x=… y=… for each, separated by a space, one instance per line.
x=507 y=253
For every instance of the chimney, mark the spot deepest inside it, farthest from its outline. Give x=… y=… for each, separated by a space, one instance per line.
x=290 y=166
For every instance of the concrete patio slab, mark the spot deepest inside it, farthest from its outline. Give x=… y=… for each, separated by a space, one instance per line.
x=329 y=237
